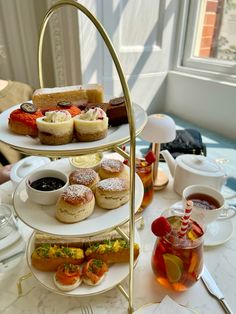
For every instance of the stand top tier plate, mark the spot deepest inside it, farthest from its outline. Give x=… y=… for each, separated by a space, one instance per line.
x=32 y=146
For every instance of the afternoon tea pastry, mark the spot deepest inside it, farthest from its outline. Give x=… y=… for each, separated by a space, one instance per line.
x=84 y=176
x=91 y=125
x=79 y=94
x=116 y=111
x=23 y=121
x=111 y=168
x=64 y=105
x=112 y=193
x=55 y=128
x=75 y=204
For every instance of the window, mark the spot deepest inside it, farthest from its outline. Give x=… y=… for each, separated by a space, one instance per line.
x=210 y=43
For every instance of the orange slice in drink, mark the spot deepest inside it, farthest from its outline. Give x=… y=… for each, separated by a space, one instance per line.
x=174 y=267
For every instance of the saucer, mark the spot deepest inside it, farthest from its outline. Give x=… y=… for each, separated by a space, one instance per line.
x=218 y=232
x=11 y=256
x=10 y=239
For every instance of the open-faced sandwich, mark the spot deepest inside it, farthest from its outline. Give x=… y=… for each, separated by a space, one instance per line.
x=47 y=257
x=67 y=277
x=93 y=272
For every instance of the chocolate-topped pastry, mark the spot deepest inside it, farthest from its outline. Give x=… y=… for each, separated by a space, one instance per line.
x=64 y=104
x=28 y=107
x=90 y=105
x=116 y=111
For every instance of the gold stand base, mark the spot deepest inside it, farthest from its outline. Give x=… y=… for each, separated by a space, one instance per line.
x=161 y=181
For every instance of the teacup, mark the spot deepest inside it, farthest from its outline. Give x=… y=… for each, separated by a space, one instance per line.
x=208 y=203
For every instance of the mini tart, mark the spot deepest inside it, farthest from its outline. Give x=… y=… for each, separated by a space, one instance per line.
x=73 y=110
x=54 y=131
x=75 y=204
x=24 y=123
x=91 y=125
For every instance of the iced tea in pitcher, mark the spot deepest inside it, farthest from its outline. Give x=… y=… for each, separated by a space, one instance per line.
x=177 y=262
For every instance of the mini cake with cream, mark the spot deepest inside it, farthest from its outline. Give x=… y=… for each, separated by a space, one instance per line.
x=55 y=128
x=91 y=125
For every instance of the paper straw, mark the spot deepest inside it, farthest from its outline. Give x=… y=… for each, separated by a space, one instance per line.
x=185 y=219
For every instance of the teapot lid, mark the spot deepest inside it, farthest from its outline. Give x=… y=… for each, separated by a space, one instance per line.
x=199 y=163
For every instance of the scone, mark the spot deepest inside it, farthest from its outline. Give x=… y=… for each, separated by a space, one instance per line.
x=55 y=128
x=24 y=122
x=84 y=176
x=75 y=204
x=112 y=193
x=91 y=125
x=112 y=168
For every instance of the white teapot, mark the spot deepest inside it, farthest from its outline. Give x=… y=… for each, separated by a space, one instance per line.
x=194 y=169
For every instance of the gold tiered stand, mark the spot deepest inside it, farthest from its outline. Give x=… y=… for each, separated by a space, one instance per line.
x=113 y=146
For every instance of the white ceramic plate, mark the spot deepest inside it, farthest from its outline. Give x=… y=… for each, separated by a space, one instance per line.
x=10 y=239
x=153 y=309
x=28 y=144
x=117 y=273
x=42 y=218
x=217 y=232
x=12 y=255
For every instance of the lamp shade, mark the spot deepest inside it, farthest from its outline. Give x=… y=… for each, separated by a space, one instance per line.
x=159 y=128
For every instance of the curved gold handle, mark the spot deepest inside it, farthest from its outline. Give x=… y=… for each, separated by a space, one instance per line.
x=126 y=92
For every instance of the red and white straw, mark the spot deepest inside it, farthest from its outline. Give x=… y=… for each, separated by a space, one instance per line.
x=185 y=219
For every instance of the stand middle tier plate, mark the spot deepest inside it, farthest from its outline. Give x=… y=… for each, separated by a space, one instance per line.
x=42 y=217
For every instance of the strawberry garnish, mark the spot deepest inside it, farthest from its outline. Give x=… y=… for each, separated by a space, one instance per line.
x=150 y=157
x=126 y=162
x=161 y=226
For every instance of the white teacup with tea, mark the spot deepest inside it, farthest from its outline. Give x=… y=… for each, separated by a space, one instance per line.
x=208 y=203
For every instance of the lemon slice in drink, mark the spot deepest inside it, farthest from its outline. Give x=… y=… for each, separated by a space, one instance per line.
x=174 y=267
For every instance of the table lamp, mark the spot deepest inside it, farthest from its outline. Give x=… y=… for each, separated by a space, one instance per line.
x=159 y=128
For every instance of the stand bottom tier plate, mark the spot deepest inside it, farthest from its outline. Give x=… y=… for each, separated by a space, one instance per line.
x=116 y=274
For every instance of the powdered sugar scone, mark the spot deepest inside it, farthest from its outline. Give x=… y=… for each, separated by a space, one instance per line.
x=112 y=193
x=91 y=125
x=112 y=168
x=55 y=128
x=75 y=204
x=84 y=176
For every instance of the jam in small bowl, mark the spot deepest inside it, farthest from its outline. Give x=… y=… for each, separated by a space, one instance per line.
x=44 y=186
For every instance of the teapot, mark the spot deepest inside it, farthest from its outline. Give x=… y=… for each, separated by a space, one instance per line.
x=194 y=169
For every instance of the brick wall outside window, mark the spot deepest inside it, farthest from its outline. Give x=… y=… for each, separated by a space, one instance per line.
x=212 y=20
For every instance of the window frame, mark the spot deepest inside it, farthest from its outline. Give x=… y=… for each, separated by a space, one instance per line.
x=184 y=60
